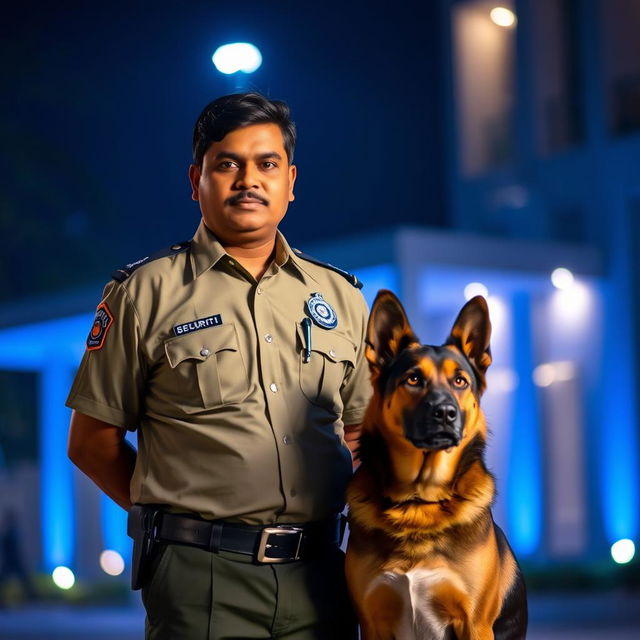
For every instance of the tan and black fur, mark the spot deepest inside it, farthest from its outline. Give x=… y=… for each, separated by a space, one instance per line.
x=425 y=559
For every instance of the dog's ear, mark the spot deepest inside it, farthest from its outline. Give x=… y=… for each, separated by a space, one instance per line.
x=471 y=333
x=388 y=330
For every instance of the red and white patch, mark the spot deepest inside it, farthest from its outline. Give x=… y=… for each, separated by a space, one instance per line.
x=101 y=324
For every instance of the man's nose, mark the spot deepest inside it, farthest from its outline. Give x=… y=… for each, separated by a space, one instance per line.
x=247 y=178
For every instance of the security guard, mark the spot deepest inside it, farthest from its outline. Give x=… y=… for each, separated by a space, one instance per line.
x=240 y=362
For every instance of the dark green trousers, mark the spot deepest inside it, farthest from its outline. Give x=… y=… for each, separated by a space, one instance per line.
x=197 y=595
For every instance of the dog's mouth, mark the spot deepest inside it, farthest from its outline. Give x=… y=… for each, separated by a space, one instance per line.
x=436 y=441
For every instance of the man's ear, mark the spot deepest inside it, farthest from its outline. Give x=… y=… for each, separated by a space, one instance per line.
x=194 y=179
x=388 y=330
x=293 y=174
x=471 y=334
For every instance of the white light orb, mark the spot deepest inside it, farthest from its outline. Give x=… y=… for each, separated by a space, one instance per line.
x=544 y=375
x=63 y=577
x=503 y=17
x=623 y=551
x=111 y=562
x=238 y=56
x=475 y=289
x=562 y=278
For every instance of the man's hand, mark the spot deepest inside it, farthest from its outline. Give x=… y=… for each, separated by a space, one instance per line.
x=352 y=438
x=100 y=451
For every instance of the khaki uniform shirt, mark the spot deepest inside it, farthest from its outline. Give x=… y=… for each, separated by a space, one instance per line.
x=209 y=366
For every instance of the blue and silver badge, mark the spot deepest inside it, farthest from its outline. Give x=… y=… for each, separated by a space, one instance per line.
x=322 y=312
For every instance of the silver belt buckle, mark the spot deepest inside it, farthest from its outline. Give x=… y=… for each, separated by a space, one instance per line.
x=265 y=545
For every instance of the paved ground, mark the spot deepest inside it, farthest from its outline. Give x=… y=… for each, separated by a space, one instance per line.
x=611 y=616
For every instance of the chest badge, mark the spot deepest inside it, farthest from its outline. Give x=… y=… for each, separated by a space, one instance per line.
x=322 y=313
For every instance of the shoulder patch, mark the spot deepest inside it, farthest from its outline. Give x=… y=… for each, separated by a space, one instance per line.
x=345 y=274
x=101 y=324
x=123 y=273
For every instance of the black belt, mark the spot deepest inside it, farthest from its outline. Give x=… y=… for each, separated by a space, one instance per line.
x=268 y=544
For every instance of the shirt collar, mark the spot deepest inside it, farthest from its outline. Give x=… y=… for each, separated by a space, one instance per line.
x=206 y=251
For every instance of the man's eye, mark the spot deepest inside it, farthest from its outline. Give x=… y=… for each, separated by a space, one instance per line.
x=460 y=382
x=414 y=380
x=269 y=164
x=227 y=164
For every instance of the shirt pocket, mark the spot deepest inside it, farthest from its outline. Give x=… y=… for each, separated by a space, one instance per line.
x=209 y=368
x=332 y=357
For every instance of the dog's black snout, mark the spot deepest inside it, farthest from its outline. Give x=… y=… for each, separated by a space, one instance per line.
x=445 y=414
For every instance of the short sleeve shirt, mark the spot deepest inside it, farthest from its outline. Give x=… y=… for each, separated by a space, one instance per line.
x=235 y=420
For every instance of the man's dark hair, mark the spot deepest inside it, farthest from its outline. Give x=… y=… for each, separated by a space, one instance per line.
x=237 y=110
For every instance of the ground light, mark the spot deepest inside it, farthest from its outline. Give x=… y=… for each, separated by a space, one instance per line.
x=63 y=577
x=503 y=17
x=623 y=551
x=237 y=56
x=111 y=562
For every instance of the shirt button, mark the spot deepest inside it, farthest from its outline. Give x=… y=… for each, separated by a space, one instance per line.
x=274 y=387
x=287 y=439
x=258 y=290
x=232 y=263
x=332 y=353
x=268 y=337
x=204 y=352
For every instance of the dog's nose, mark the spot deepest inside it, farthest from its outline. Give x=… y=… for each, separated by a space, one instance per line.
x=445 y=414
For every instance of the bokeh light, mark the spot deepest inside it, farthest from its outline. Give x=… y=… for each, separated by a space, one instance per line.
x=111 y=562
x=238 y=56
x=623 y=551
x=63 y=577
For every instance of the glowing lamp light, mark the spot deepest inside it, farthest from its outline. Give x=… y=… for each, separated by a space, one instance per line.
x=503 y=17
x=63 y=578
x=239 y=56
x=111 y=562
x=623 y=551
x=562 y=278
x=544 y=375
x=475 y=289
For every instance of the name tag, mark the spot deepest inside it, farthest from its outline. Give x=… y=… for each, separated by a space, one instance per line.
x=196 y=325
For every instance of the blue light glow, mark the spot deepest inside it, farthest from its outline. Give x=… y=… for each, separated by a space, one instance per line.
x=382 y=276
x=57 y=504
x=617 y=435
x=114 y=527
x=238 y=56
x=524 y=486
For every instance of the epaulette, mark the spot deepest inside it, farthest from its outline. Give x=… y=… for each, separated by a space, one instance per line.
x=124 y=272
x=345 y=274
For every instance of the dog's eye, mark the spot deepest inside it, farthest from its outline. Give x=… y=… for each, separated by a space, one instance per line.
x=414 y=380
x=460 y=382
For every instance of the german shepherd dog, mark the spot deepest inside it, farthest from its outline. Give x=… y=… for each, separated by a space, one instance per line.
x=425 y=558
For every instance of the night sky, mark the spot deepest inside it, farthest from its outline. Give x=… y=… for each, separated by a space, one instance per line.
x=99 y=103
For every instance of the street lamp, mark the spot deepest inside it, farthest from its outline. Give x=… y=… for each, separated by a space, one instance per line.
x=237 y=59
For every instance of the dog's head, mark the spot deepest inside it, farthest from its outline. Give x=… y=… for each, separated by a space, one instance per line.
x=428 y=395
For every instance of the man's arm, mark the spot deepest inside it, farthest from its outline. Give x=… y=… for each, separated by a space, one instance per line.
x=100 y=451
x=352 y=438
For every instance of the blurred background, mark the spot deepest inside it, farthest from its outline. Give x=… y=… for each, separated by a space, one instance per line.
x=446 y=148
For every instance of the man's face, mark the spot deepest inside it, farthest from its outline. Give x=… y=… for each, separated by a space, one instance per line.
x=245 y=184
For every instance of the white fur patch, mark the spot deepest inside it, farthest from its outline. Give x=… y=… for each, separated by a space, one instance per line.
x=418 y=620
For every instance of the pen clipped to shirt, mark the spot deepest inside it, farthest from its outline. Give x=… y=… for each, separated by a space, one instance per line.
x=306 y=329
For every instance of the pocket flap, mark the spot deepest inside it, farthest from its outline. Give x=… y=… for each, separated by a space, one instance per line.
x=334 y=346
x=200 y=345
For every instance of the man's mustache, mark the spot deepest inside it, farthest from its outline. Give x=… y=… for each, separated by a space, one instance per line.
x=246 y=195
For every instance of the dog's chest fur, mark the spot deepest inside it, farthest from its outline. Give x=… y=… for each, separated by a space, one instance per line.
x=417 y=618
